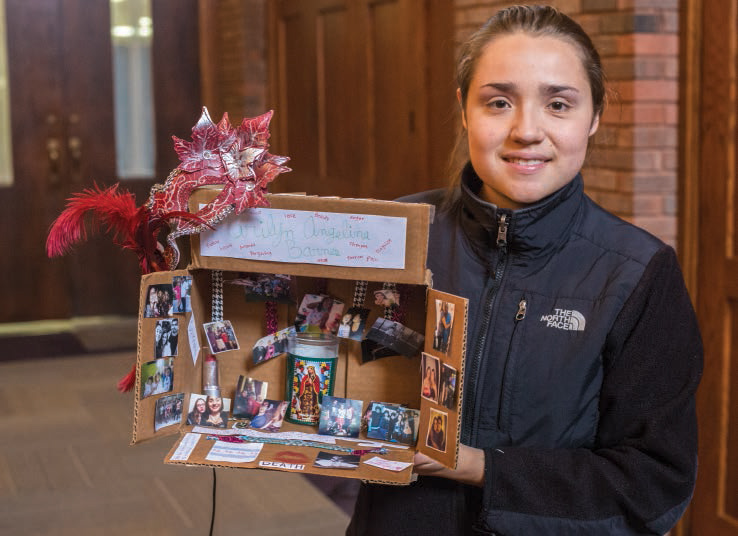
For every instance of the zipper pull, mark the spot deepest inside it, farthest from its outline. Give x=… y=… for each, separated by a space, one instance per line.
x=502 y=231
x=522 y=309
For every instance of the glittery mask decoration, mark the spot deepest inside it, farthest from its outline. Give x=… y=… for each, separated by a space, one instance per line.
x=236 y=158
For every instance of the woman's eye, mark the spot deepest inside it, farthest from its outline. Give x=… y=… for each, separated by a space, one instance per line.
x=498 y=104
x=559 y=106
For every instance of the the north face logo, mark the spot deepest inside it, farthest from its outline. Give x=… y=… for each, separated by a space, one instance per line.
x=565 y=319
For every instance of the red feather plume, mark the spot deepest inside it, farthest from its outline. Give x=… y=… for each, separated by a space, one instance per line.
x=127 y=382
x=132 y=227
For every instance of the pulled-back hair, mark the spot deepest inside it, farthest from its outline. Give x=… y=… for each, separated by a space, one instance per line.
x=534 y=20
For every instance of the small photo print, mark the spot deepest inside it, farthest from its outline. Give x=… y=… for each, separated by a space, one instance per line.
x=270 y=416
x=406 y=429
x=331 y=460
x=430 y=369
x=318 y=313
x=157 y=377
x=159 y=300
x=448 y=386
x=444 y=323
x=386 y=297
x=395 y=336
x=353 y=322
x=334 y=317
x=437 y=423
x=250 y=393
x=166 y=338
x=182 y=286
x=340 y=417
x=272 y=345
x=221 y=336
x=266 y=287
x=168 y=411
x=382 y=420
x=208 y=410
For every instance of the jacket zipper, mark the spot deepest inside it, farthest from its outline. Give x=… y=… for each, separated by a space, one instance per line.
x=470 y=379
x=507 y=371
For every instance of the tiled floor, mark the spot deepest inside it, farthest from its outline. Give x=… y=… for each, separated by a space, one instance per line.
x=66 y=467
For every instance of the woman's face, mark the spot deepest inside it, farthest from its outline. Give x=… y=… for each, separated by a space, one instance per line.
x=528 y=116
x=214 y=404
x=200 y=406
x=158 y=332
x=152 y=296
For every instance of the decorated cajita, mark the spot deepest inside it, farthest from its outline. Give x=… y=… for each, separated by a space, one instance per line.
x=345 y=249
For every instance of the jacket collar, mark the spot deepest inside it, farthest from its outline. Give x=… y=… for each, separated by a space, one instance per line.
x=533 y=231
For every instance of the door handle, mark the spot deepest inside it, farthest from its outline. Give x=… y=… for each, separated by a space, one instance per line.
x=53 y=149
x=75 y=154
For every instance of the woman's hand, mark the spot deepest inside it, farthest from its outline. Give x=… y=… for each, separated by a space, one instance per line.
x=469 y=470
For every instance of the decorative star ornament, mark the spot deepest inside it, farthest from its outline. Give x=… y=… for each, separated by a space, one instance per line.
x=236 y=158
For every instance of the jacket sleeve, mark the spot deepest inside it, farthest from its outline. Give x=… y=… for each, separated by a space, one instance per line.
x=639 y=477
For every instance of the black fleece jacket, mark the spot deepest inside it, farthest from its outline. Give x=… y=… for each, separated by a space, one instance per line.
x=583 y=358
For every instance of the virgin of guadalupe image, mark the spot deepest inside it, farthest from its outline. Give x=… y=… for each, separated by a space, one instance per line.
x=308 y=395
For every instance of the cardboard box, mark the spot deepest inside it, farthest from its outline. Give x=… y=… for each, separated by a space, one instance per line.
x=395 y=379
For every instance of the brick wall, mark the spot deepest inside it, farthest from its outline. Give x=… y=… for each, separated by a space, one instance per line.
x=632 y=167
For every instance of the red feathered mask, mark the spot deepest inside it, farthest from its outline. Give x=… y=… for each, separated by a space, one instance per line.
x=236 y=158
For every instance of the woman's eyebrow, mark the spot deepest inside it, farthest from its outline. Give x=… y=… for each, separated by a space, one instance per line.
x=554 y=89
x=505 y=87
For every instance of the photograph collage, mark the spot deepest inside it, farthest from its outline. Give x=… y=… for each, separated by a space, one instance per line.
x=439 y=377
x=242 y=403
x=166 y=304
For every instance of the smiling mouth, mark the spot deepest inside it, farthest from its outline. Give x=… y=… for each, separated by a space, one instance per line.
x=525 y=162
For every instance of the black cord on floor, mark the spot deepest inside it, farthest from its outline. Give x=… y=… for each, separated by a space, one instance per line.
x=212 y=517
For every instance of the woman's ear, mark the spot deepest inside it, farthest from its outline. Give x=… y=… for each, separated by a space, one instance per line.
x=461 y=105
x=595 y=125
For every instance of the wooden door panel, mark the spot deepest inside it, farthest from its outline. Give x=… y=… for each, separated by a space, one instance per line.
x=342 y=91
x=731 y=439
x=299 y=113
x=715 y=503
x=30 y=204
x=351 y=93
x=397 y=108
x=103 y=278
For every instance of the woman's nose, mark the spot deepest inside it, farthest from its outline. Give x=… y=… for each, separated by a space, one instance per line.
x=526 y=127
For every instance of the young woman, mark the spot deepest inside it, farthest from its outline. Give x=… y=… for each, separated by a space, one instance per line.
x=263 y=416
x=215 y=415
x=428 y=383
x=584 y=353
x=436 y=435
x=197 y=416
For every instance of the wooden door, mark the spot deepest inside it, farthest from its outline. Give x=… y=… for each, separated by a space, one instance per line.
x=359 y=106
x=62 y=135
x=711 y=106
x=62 y=123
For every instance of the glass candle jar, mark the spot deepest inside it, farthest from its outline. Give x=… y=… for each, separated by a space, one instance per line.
x=311 y=370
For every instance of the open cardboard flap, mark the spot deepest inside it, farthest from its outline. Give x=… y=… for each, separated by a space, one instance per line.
x=392 y=380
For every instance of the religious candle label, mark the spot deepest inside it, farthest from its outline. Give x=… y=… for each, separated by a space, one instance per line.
x=330 y=238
